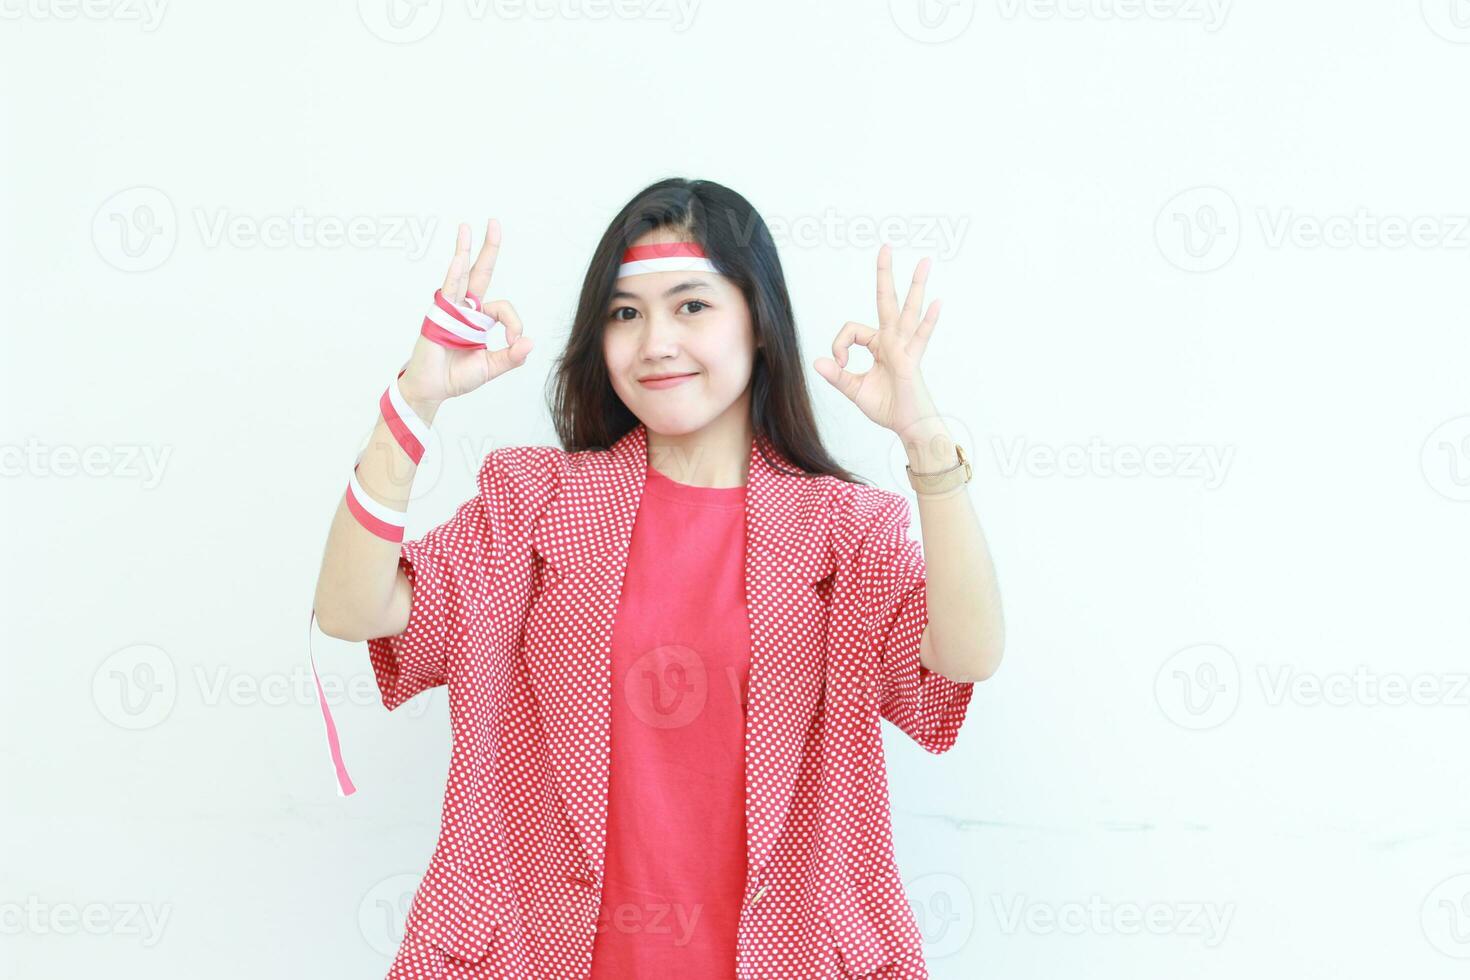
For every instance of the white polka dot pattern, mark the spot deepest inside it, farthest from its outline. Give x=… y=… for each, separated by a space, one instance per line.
x=513 y=606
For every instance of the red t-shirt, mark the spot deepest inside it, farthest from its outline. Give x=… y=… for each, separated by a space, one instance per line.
x=676 y=794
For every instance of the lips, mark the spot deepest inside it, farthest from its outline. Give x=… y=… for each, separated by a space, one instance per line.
x=664 y=380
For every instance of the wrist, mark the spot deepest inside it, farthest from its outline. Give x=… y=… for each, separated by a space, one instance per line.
x=928 y=445
x=425 y=410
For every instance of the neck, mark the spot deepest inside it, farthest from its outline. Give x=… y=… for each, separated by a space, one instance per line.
x=717 y=455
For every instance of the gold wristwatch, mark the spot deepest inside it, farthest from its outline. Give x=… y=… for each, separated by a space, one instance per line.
x=944 y=480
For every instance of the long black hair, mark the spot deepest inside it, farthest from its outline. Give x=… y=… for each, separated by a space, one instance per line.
x=587 y=412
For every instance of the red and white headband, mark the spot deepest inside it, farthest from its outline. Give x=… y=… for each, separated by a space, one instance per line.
x=670 y=257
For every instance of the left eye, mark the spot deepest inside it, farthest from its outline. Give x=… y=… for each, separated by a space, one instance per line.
x=697 y=302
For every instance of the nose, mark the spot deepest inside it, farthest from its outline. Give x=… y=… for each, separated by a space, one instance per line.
x=660 y=338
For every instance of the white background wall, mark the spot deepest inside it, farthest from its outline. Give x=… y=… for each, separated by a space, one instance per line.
x=1232 y=237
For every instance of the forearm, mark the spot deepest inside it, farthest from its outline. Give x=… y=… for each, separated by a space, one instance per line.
x=966 y=631
x=358 y=595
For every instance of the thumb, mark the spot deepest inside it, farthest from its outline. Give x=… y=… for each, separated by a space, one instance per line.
x=838 y=377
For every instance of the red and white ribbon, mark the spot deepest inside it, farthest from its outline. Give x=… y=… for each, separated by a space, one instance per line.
x=459 y=326
x=669 y=257
x=448 y=324
x=385 y=522
x=334 y=744
x=411 y=431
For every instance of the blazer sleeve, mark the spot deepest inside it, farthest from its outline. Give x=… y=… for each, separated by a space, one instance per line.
x=924 y=704
x=446 y=569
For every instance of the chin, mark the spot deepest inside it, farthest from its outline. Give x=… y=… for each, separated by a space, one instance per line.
x=667 y=423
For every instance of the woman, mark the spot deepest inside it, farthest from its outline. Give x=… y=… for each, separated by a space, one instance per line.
x=668 y=643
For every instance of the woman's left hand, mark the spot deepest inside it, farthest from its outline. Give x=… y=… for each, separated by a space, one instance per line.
x=891 y=392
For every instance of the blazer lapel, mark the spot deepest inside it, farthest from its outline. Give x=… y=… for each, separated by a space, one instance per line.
x=583 y=539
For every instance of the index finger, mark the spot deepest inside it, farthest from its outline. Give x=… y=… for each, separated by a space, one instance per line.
x=485 y=261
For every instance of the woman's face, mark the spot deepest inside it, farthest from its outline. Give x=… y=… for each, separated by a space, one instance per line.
x=694 y=325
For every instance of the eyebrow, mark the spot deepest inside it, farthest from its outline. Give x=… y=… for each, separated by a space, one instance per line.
x=683 y=287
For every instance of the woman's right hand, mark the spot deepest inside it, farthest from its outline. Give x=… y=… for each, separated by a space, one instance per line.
x=436 y=373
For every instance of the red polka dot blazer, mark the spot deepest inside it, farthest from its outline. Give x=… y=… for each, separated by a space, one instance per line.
x=513 y=606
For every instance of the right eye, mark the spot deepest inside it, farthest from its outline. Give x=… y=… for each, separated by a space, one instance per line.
x=614 y=314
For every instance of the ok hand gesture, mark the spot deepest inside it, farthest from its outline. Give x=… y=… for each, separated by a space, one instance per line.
x=891 y=392
x=436 y=373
